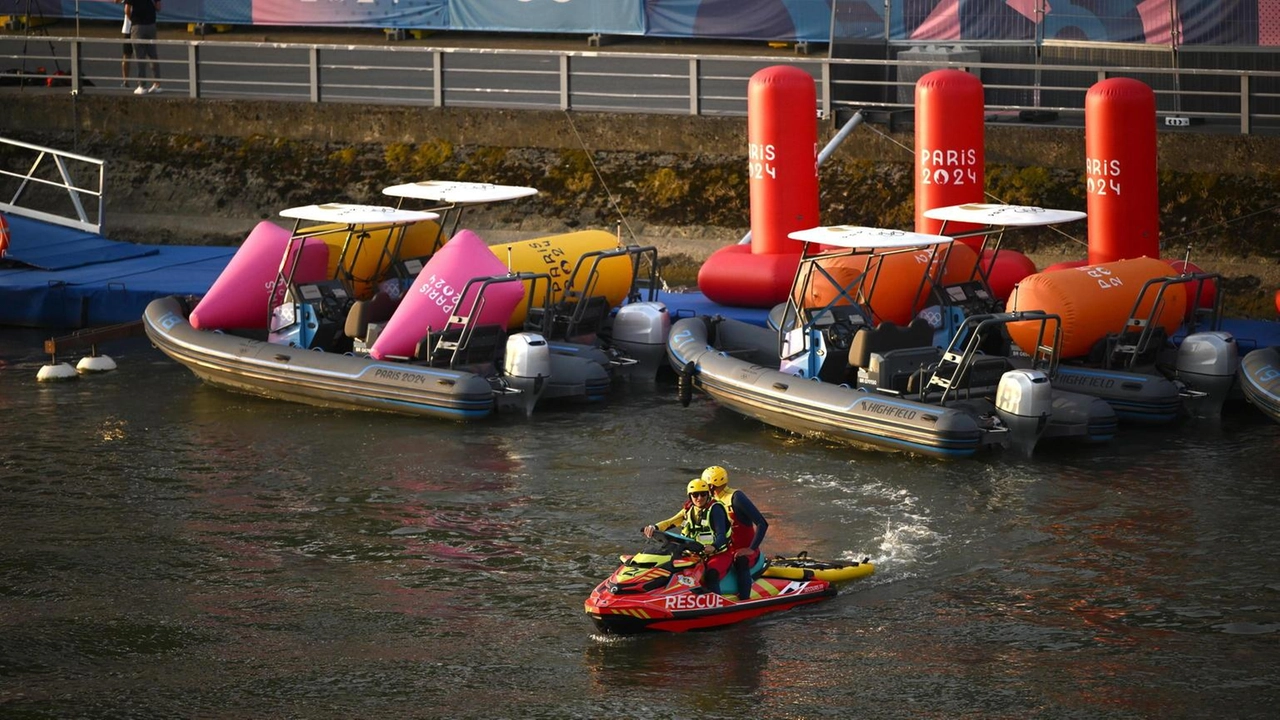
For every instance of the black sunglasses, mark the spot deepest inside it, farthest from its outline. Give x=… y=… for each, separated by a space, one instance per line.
x=699 y=494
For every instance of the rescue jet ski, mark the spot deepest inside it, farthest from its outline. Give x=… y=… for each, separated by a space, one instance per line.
x=661 y=588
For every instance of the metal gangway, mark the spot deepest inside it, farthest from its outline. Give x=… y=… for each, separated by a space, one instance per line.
x=58 y=187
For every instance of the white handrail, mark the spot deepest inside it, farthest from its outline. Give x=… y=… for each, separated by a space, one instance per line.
x=57 y=174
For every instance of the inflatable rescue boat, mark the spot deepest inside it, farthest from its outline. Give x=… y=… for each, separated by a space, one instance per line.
x=438 y=346
x=1260 y=380
x=827 y=370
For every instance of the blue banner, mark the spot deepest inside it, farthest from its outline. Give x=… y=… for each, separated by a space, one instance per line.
x=1150 y=22
x=423 y=14
x=229 y=12
x=612 y=17
x=808 y=20
x=1238 y=23
x=859 y=20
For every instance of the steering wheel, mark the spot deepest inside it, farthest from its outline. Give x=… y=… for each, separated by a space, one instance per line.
x=681 y=543
x=840 y=335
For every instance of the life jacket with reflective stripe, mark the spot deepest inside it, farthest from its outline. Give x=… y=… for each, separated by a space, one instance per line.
x=697 y=525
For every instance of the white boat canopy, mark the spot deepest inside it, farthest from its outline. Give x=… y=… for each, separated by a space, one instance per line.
x=456 y=192
x=1003 y=215
x=867 y=238
x=346 y=214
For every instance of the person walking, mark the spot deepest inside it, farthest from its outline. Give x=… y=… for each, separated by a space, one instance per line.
x=127 y=58
x=141 y=16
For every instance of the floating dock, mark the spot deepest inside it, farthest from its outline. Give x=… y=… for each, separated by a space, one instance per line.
x=58 y=277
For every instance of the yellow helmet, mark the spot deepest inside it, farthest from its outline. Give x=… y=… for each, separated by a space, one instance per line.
x=715 y=476
x=697 y=485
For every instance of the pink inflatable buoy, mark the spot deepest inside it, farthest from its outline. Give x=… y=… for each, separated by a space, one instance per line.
x=240 y=296
x=437 y=292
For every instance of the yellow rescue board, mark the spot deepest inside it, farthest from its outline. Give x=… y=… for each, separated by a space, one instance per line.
x=836 y=574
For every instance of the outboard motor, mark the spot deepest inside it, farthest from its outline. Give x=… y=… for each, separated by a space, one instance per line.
x=1207 y=364
x=1024 y=401
x=526 y=366
x=640 y=331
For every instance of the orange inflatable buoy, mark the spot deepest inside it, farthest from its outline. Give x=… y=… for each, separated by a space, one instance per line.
x=950 y=161
x=899 y=288
x=1094 y=301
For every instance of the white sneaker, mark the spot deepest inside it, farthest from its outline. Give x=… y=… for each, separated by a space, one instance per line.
x=139 y=90
x=155 y=88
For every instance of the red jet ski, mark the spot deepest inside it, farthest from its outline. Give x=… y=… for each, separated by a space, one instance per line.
x=661 y=589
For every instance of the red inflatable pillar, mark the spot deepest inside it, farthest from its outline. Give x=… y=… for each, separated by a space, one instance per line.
x=1120 y=170
x=4 y=235
x=782 y=132
x=782 y=137
x=950 y=167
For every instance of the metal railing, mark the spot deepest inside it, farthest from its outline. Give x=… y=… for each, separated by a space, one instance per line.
x=1230 y=101
x=35 y=186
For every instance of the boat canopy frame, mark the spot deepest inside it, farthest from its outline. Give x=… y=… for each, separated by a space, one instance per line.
x=450 y=198
x=799 y=326
x=360 y=222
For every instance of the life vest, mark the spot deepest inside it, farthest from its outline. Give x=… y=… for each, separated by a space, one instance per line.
x=741 y=533
x=697 y=525
x=4 y=235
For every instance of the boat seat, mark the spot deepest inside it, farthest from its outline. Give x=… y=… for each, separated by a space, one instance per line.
x=888 y=336
x=896 y=369
x=584 y=316
x=447 y=348
x=377 y=309
x=983 y=374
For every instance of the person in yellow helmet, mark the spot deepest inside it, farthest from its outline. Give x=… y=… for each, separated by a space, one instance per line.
x=697 y=516
x=675 y=521
x=747 y=523
x=707 y=521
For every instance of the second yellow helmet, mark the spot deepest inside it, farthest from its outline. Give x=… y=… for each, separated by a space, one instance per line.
x=716 y=476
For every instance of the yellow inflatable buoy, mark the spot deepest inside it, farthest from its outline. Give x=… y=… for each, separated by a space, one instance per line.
x=558 y=256
x=367 y=261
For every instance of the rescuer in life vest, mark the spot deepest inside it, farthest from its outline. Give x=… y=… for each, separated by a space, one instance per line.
x=707 y=521
x=747 y=524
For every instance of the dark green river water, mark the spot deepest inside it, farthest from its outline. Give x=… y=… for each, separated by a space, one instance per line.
x=172 y=550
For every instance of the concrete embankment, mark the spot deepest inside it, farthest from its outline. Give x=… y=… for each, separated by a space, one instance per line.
x=205 y=171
